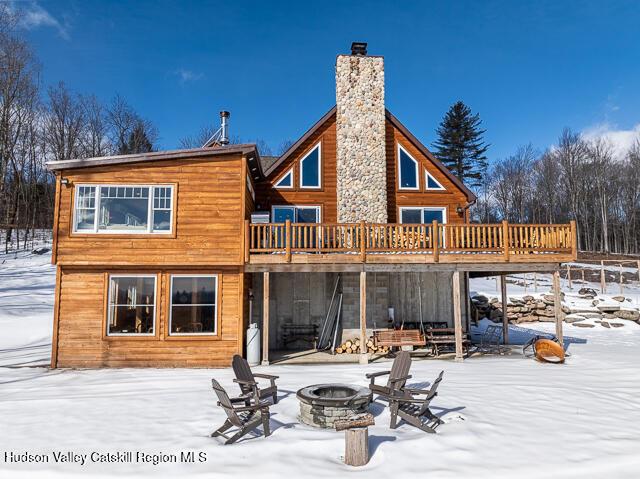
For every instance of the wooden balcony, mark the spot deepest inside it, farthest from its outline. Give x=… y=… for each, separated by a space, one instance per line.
x=409 y=243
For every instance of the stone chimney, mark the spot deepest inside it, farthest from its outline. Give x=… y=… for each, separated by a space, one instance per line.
x=360 y=125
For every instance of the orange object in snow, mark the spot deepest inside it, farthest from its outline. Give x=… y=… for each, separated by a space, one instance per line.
x=549 y=351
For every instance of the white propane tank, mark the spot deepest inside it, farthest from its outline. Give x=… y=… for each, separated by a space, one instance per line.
x=253 y=345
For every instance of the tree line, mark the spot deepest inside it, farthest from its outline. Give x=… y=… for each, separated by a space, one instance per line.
x=580 y=179
x=40 y=124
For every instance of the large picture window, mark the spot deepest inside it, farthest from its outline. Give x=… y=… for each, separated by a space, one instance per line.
x=123 y=209
x=423 y=214
x=193 y=305
x=132 y=305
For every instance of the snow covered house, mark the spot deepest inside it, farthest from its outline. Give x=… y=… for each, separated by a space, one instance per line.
x=163 y=257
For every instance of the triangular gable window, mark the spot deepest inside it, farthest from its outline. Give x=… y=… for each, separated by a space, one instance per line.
x=310 y=169
x=286 y=181
x=431 y=182
x=408 y=170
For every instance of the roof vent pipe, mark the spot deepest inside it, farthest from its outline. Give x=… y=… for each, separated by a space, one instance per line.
x=224 y=127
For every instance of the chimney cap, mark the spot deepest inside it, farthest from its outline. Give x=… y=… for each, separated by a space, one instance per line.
x=359 y=48
x=224 y=114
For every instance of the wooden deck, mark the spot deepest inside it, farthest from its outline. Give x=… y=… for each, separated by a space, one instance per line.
x=332 y=243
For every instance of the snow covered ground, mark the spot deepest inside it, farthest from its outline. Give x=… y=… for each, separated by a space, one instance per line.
x=505 y=416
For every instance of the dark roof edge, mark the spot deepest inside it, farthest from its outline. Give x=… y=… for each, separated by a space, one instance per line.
x=244 y=149
x=425 y=151
x=302 y=139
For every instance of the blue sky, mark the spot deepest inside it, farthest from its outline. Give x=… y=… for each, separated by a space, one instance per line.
x=528 y=68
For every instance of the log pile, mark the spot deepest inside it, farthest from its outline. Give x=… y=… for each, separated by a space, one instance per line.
x=352 y=346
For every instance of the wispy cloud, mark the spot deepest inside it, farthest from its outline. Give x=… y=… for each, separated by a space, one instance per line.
x=621 y=140
x=186 y=76
x=34 y=16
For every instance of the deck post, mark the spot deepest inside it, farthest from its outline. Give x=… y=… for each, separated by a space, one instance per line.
x=265 y=318
x=363 y=252
x=603 y=284
x=505 y=301
x=505 y=239
x=364 y=356
x=435 y=234
x=557 y=306
x=287 y=232
x=457 y=315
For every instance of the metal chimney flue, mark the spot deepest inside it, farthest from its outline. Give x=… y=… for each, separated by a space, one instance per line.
x=224 y=127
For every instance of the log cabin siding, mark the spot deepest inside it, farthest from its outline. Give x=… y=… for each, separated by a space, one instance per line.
x=207 y=216
x=267 y=195
x=451 y=197
x=81 y=332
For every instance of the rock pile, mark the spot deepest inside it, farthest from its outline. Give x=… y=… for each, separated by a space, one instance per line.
x=529 y=308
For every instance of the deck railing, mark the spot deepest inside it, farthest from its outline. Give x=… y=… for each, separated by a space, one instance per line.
x=503 y=241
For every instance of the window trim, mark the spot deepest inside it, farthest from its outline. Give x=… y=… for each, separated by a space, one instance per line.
x=318 y=208
x=288 y=172
x=428 y=175
x=417 y=170
x=105 y=329
x=171 y=334
x=150 y=209
x=317 y=146
x=422 y=209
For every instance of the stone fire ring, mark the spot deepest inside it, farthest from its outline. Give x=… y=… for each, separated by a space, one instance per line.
x=323 y=404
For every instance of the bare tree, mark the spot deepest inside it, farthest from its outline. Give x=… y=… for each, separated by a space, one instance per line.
x=130 y=133
x=95 y=136
x=64 y=124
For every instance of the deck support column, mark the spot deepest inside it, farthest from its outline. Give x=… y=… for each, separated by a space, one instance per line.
x=557 y=306
x=457 y=315
x=364 y=356
x=505 y=301
x=265 y=318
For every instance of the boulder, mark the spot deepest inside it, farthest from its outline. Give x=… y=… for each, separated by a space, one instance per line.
x=619 y=299
x=583 y=325
x=608 y=308
x=587 y=292
x=573 y=318
x=527 y=319
x=605 y=324
x=591 y=315
x=630 y=314
x=616 y=325
x=528 y=298
x=595 y=302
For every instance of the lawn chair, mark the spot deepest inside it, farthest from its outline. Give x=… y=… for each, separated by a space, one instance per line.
x=490 y=341
x=247 y=379
x=416 y=411
x=397 y=377
x=245 y=417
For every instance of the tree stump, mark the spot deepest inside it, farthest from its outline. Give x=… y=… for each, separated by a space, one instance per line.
x=356 y=450
x=356 y=438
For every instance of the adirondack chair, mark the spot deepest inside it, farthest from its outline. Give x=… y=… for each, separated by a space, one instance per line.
x=245 y=417
x=246 y=379
x=398 y=376
x=415 y=411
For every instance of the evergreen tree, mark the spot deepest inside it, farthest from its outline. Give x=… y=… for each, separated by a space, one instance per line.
x=460 y=145
x=138 y=141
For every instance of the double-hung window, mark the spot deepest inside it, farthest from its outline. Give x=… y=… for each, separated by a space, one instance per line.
x=193 y=305
x=132 y=305
x=123 y=209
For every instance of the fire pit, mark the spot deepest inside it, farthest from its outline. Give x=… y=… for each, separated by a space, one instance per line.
x=322 y=404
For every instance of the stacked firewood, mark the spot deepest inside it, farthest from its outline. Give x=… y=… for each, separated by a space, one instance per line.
x=352 y=346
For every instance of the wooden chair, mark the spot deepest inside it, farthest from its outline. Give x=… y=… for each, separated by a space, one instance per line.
x=245 y=417
x=246 y=379
x=398 y=376
x=413 y=410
